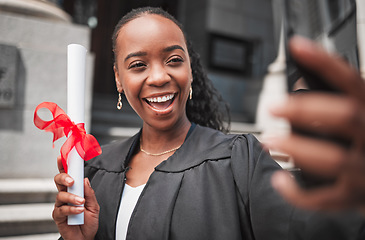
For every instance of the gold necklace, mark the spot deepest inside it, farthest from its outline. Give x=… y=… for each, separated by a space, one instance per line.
x=156 y=154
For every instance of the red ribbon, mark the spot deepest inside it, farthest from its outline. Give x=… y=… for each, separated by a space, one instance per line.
x=61 y=125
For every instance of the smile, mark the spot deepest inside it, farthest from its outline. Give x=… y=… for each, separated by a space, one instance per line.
x=160 y=102
x=160 y=99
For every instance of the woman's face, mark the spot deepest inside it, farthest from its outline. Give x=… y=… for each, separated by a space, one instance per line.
x=153 y=70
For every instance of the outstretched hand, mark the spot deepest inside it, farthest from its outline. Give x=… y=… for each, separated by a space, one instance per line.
x=62 y=209
x=340 y=115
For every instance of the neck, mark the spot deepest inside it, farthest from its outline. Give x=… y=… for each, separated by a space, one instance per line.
x=156 y=141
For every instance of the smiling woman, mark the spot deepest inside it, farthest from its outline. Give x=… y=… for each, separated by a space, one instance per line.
x=179 y=177
x=155 y=69
x=206 y=99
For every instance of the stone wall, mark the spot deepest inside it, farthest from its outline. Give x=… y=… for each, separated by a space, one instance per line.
x=36 y=60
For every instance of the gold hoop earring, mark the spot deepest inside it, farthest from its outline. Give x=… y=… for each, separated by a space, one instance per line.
x=191 y=93
x=119 y=104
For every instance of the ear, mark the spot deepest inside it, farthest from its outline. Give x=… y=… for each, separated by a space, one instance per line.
x=117 y=80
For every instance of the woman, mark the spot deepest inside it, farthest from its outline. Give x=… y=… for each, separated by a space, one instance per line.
x=178 y=178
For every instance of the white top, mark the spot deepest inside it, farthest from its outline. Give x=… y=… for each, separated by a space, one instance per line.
x=129 y=200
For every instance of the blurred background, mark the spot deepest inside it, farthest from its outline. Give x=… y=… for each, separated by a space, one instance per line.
x=239 y=43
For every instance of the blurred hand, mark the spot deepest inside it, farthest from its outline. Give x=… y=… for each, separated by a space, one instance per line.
x=62 y=209
x=341 y=115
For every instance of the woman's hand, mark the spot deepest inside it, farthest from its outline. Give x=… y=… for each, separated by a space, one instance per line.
x=62 y=209
x=341 y=115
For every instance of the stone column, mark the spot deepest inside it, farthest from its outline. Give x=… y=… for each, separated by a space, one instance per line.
x=361 y=34
x=274 y=91
x=33 y=69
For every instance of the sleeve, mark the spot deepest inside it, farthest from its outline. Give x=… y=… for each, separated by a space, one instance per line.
x=270 y=215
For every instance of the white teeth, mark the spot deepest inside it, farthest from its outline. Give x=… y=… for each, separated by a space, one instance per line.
x=161 y=99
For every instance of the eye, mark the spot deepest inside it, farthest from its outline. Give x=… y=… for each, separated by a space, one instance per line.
x=175 y=61
x=137 y=65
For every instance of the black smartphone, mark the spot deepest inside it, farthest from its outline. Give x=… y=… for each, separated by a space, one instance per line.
x=332 y=24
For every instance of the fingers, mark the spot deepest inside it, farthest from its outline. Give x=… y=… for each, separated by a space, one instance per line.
x=69 y=204
x=331 y=68
x=68 y=198
x=65 y=199
x=315 y=156
x=63 y=206
x=323 y=113
x=63 y=180
x=60 y=214
x=60 y=165
x=327 y=198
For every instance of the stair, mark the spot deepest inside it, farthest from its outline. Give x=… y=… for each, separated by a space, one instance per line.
x=26 y=209
x=49 y=236
x=26 y=205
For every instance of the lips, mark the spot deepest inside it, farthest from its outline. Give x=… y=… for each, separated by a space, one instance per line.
x=160 y=102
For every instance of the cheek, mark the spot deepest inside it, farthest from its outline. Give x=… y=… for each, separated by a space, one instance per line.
x=185 y=78
x=132 y=87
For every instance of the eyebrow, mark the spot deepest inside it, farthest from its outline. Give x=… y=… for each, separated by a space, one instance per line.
x=173 y=47
x=167 y=49
x=135 y=54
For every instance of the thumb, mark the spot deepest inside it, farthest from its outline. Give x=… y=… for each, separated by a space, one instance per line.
x=91 y=203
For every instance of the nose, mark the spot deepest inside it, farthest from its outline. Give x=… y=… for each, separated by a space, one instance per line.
x=158 y=76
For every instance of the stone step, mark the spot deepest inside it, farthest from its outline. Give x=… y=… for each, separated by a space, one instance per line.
x=18 y=191
x=46 y=236
x=26 y=219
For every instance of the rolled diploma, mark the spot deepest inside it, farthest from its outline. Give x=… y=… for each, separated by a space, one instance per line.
x=76 y=55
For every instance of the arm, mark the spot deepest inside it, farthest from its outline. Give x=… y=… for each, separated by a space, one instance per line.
x=341 y=115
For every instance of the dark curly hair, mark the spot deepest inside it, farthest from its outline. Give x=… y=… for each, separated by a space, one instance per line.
x=207 y=108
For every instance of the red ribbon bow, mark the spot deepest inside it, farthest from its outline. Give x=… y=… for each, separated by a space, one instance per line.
x=61 y=125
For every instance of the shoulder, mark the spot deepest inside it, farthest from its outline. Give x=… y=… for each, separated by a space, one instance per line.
x=206 y=144
x=216 y=139
x=210 y=136
x=210 y=142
